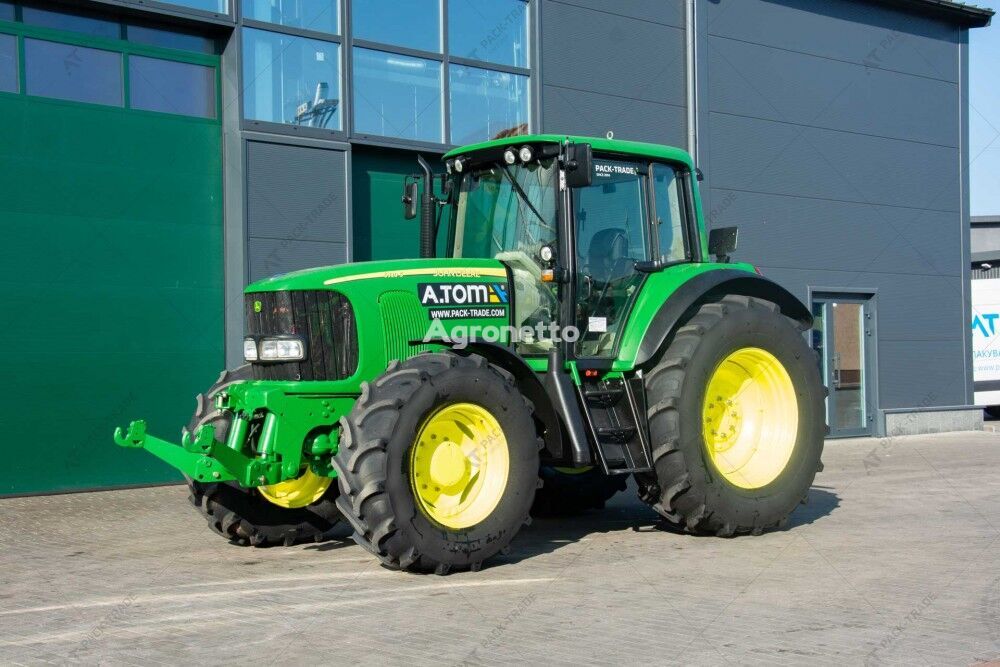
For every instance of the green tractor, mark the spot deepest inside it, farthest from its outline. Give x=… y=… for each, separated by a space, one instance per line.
x=569 y=323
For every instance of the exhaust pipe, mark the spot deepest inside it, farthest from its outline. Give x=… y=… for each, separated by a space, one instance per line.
x=426 y=210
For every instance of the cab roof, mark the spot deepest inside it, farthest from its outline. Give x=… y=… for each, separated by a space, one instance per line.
x=603 y=145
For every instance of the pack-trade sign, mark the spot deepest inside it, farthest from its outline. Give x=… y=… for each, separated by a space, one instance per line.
x=452 y=301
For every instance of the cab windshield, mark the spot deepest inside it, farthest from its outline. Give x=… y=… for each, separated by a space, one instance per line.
x=509 y=213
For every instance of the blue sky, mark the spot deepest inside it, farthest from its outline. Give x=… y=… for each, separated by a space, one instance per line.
x=984 y=118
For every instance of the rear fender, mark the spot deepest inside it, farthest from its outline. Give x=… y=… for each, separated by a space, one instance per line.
x=710 y=286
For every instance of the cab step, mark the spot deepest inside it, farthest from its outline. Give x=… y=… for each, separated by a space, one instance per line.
x=613 y=410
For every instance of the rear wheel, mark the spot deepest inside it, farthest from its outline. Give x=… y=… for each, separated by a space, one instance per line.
x=438 y=463
x=297 y=510
x=568 y=491
x=736 y=420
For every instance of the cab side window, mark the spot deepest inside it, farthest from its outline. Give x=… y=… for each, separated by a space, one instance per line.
x=669 y=220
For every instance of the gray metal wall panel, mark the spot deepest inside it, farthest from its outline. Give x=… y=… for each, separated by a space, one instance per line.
x=834 y=141
x=809 y=90
x=593 y=114
x=921 y=373
x=858 y=32
x=296 y=192
x=606 y=70
x=296 y=207
x=756 y=155
x=270 y=257
x=667 y=12
x=791 y=232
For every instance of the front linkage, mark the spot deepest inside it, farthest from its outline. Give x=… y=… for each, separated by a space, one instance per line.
x=264 y=444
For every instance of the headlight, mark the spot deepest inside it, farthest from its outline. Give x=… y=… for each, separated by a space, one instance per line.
x=250 y=349
x=282 y=349
x=526 y=153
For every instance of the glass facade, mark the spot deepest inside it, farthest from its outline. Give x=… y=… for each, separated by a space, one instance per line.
x=6 y=11
x=170 y=38
x=316 y=15
x=69 y=72
x=414 y=24
x=215 y=6
x=171 y=87
x=486 y=103
x=494 y=31
x=122 y=72
x=85 y=25
x=8 y=64
x=397 y=96
x=291 y=79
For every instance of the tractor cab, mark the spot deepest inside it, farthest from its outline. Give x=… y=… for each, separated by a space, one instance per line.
x=579 y=226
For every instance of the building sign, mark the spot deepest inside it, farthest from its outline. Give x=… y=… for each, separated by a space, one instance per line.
x=986 y=330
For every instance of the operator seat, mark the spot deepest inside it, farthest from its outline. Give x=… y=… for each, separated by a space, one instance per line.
x=606 y=256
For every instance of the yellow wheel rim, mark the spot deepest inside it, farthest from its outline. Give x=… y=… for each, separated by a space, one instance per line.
x=459 y=465
x=299 y=492
x=750 y=418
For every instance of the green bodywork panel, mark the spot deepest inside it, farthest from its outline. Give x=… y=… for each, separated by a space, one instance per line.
x=394 y=303
x=112 y=275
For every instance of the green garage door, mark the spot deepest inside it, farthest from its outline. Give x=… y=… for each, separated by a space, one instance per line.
x=111 y=247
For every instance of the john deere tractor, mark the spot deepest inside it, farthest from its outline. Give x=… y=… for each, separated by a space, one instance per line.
x=569 y=323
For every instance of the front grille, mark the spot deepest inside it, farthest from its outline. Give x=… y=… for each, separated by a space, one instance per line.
x=324 y=319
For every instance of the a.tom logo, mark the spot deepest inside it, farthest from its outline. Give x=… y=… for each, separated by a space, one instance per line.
x=462 y=294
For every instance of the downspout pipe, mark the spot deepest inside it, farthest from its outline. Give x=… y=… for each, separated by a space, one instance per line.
x=691 y=54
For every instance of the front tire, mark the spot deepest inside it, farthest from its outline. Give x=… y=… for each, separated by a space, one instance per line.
x=736 y=420
x=246 y=516
x=438 y=463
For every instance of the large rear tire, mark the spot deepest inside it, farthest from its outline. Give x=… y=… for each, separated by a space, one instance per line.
x=736 y=420
x=246 y=516
x=438 y=463
x=566 y=492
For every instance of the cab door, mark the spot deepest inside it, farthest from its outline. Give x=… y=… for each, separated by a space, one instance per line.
x=612 y=217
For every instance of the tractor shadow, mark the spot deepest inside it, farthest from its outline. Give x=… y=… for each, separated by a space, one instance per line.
x=625 y=512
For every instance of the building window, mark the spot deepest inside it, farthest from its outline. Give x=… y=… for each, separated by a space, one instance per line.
x=317 y=15
x=69 y=72
x=485 y=104
x=171 y=87
x=8 y=63
x=494 y=31
x=293 y=80
x=397 y=96
x=414 y=24
x=214 y=6
x=170 y=38
x=85 y=25
x=6 y=11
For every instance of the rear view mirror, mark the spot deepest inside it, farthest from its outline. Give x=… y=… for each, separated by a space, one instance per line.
x=579 y=165
x=409 y=199
x=722 y=242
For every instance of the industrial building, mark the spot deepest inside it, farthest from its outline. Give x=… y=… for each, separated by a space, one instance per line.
x=157 y=156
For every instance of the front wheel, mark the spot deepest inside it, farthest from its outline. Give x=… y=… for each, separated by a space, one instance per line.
x=438 y=463
x=736 y=420
x=297 y=510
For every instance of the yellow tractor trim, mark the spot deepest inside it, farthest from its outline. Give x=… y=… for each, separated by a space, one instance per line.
x=459 y=465
x=751 y=418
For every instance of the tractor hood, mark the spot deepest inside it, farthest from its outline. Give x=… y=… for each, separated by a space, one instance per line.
x=346 y=276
